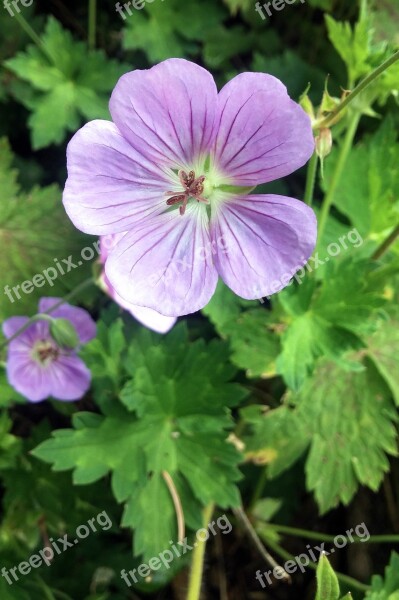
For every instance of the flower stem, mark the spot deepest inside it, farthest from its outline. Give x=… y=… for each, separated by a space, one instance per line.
x=197 y=565
x=44 y=315
x=346 y=148
x=92 y=24
x=311 y=179
x=32 y=34
x=386 y=244
x=329 y=120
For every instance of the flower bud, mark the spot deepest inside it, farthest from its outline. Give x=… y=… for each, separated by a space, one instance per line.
x=64 y=333
x=323 y=143
x=323 y=146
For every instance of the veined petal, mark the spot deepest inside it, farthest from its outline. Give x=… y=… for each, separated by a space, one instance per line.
x=110 y=186
x=263 y=135
x=267 y=239
x=167 y=112
x=166 y=265
x=69 y=378
x=80 y=318
x=146 y=316
x=28 y=377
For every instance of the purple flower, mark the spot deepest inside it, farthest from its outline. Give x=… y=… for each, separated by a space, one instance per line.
x=38 y=367
x=174 y=172
x=148 y=317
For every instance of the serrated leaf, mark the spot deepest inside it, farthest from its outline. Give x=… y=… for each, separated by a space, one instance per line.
x=178 y=422
x=35 y=234
x=253 y=344
x=383 y=349
x=69 y=81
x=352 y=44
x=386 y=588
x=352 y=420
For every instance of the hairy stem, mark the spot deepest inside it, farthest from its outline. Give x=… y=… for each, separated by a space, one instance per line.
x=197 y=564
x=311 y=179
x=386 y=244
x=346 y=148
x=329 y=120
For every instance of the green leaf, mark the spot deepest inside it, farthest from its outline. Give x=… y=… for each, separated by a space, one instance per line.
x=368 y=190
x=69 y=83
x=352 y=44
x=327 y=582
x=327 y=321
x=163 y=30
x=37 y=236
x=176 y=420
x=253 y=344
x=276 y=438
x=352 y=422
x=386 y=588
x=383 y=349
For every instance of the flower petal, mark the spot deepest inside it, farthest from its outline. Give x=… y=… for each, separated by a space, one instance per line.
x=28 y=377
x=110 y=186
x=166 y=265
x=167 y=112
x=80 y=318
x=267 y=239
x=263 y=135
x=151 y=318
x=69 y=378
x=12 y=325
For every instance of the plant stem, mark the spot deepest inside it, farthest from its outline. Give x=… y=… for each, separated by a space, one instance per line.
x=386 y=244
x=315 y=535
x=329 y=120
x=92 y=24
x=240 y=514
x=197 y=565
x=346 y=148
x=344 y=578
x=311 y=179
x=32 y=34
x=42 y=316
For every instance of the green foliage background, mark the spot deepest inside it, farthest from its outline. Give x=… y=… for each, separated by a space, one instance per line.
x=293 y=398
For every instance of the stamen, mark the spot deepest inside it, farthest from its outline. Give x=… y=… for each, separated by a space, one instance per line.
x=193 y=188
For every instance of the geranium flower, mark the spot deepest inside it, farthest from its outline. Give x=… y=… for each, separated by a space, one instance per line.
x=37 y=366
x=174 y=171
x=147 y=317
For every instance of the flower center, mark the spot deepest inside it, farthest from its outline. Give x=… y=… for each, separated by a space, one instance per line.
x=193 y=187
x=45 y=352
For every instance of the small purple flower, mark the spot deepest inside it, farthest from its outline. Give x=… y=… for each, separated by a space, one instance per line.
x=38 y=367
x=174 y=171
x=147 y=317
